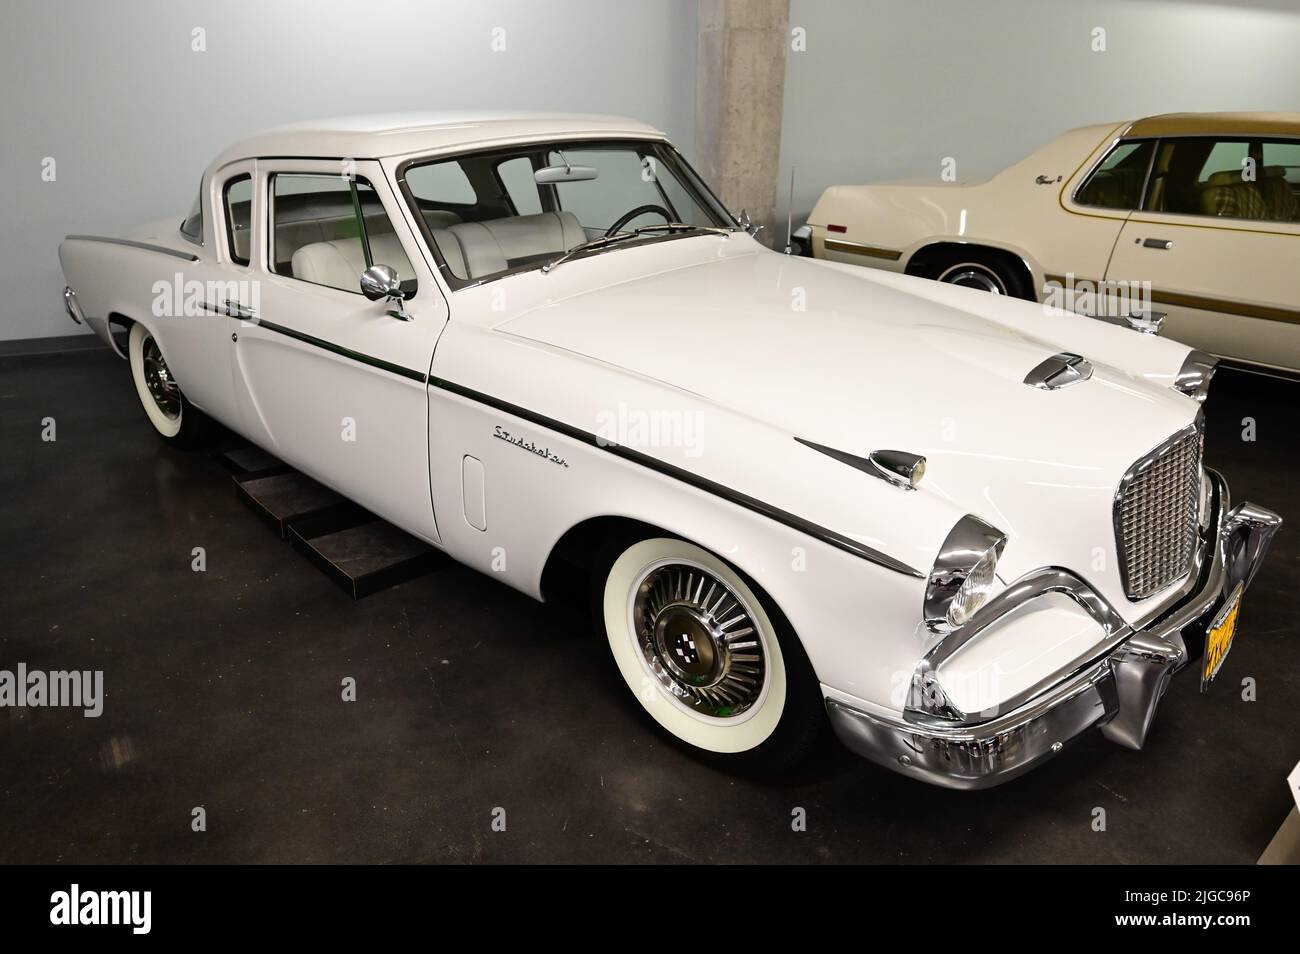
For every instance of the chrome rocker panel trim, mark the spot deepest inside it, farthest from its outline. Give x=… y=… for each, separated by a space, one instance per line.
x=1117 y=689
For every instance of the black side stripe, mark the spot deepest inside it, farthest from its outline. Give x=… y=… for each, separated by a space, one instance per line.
x=340 y=350
x=795 y=522
x=791 y=520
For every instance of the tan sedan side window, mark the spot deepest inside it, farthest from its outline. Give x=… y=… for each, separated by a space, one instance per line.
x=1232 y=178
x=1117 y=182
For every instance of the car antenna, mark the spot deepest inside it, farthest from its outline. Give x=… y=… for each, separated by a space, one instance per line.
x=789 y=216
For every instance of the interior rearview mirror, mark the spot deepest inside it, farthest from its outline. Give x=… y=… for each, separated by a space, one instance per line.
x=548 y=175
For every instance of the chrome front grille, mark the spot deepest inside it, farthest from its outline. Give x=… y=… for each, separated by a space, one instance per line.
x=1156 y=513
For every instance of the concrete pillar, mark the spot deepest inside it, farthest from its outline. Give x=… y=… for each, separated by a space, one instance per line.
x=739 y=84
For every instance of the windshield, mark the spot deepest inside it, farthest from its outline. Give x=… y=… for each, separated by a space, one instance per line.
x=494 y=213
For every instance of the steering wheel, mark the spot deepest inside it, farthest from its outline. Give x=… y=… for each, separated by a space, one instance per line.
x=639 y=210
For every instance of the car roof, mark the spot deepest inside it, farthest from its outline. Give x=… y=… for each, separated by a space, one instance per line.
x=397 y=134
x=1217 y=124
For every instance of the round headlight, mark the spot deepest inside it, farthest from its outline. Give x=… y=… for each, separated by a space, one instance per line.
x=974 y=593
x=963 y=575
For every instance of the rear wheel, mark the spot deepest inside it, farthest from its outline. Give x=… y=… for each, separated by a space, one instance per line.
x=986 y=270
x=708 y=657
x=172 y=416
x=975 y=275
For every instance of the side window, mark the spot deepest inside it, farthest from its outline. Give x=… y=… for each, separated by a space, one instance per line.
x=1208 y=177
x=192 y=226
x=237 y=199
x=1284 y=157
x=1279 y=180
x=1224 y=157
x=517 y=177
x=1117 y=182
x=442 y=182
x=623 y=182
x=317 y=237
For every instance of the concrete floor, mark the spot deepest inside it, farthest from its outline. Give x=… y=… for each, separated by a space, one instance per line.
x=223 y=691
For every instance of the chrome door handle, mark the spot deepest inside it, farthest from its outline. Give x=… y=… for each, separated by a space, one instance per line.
x=235 y=310
x=1162 y=244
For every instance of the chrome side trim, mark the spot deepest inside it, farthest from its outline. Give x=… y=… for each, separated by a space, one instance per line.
x=131 y=243
x=1060 y=371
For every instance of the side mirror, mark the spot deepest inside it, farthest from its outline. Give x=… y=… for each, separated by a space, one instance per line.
x=746 y=224
x=381 y=282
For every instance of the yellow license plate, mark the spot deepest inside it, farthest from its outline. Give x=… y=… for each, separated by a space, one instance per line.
x=1219 y=639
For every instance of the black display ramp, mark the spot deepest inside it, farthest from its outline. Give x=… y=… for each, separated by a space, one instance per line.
x=353 y=547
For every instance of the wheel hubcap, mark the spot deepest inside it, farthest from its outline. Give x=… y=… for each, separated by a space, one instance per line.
x=973 y=276
x=699 y=640
x=158 y=378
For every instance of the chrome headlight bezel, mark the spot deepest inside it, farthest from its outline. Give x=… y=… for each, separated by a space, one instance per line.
x=1193 y=378
x=963 y=575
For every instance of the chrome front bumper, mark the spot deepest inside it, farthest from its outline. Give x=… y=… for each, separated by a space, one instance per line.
x=72 y=306
x=1117 y=691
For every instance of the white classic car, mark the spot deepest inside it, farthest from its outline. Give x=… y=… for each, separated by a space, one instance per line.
x=1198 y=214
x=965 y=530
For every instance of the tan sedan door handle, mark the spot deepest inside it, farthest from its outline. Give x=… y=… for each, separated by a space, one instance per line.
x=1163 y=244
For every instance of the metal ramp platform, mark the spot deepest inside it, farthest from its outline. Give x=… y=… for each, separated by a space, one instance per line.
x=358 y=551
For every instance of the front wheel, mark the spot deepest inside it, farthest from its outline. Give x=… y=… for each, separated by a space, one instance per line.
x=173 y=417
x=708 y=658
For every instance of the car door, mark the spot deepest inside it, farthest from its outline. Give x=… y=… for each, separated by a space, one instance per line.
x=192 y=303
x=1100 y=198
x=329 y=381
x=1218 y=239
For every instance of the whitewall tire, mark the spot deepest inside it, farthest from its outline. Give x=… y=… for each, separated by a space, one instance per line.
x=173 y=417
x=704 y=658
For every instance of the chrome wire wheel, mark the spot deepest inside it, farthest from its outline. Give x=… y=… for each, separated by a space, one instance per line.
x=974 y=275
x=158 y=379
x=699 y=640
x=160 y=393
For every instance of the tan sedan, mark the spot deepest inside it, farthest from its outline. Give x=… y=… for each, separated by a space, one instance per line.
x=1191 y=219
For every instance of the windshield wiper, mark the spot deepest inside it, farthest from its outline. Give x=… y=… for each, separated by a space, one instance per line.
x=586 y=246
x=683 y=227
x=606 y=240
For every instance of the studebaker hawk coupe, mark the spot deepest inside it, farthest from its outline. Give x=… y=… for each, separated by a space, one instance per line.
x=1191 y=219
x=966 y=530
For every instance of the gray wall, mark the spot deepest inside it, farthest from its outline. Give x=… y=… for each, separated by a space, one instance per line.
x=131 y=114
x=887 y=88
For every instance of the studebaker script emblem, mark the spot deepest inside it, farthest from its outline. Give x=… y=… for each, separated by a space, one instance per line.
x=501 y=434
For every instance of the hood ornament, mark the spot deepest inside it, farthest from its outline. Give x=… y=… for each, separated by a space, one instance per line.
x=1060 y=371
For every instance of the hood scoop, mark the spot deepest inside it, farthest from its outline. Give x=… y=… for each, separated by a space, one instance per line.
x=1060 y=371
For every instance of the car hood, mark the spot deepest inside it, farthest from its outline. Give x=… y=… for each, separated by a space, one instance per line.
x=829 y=355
